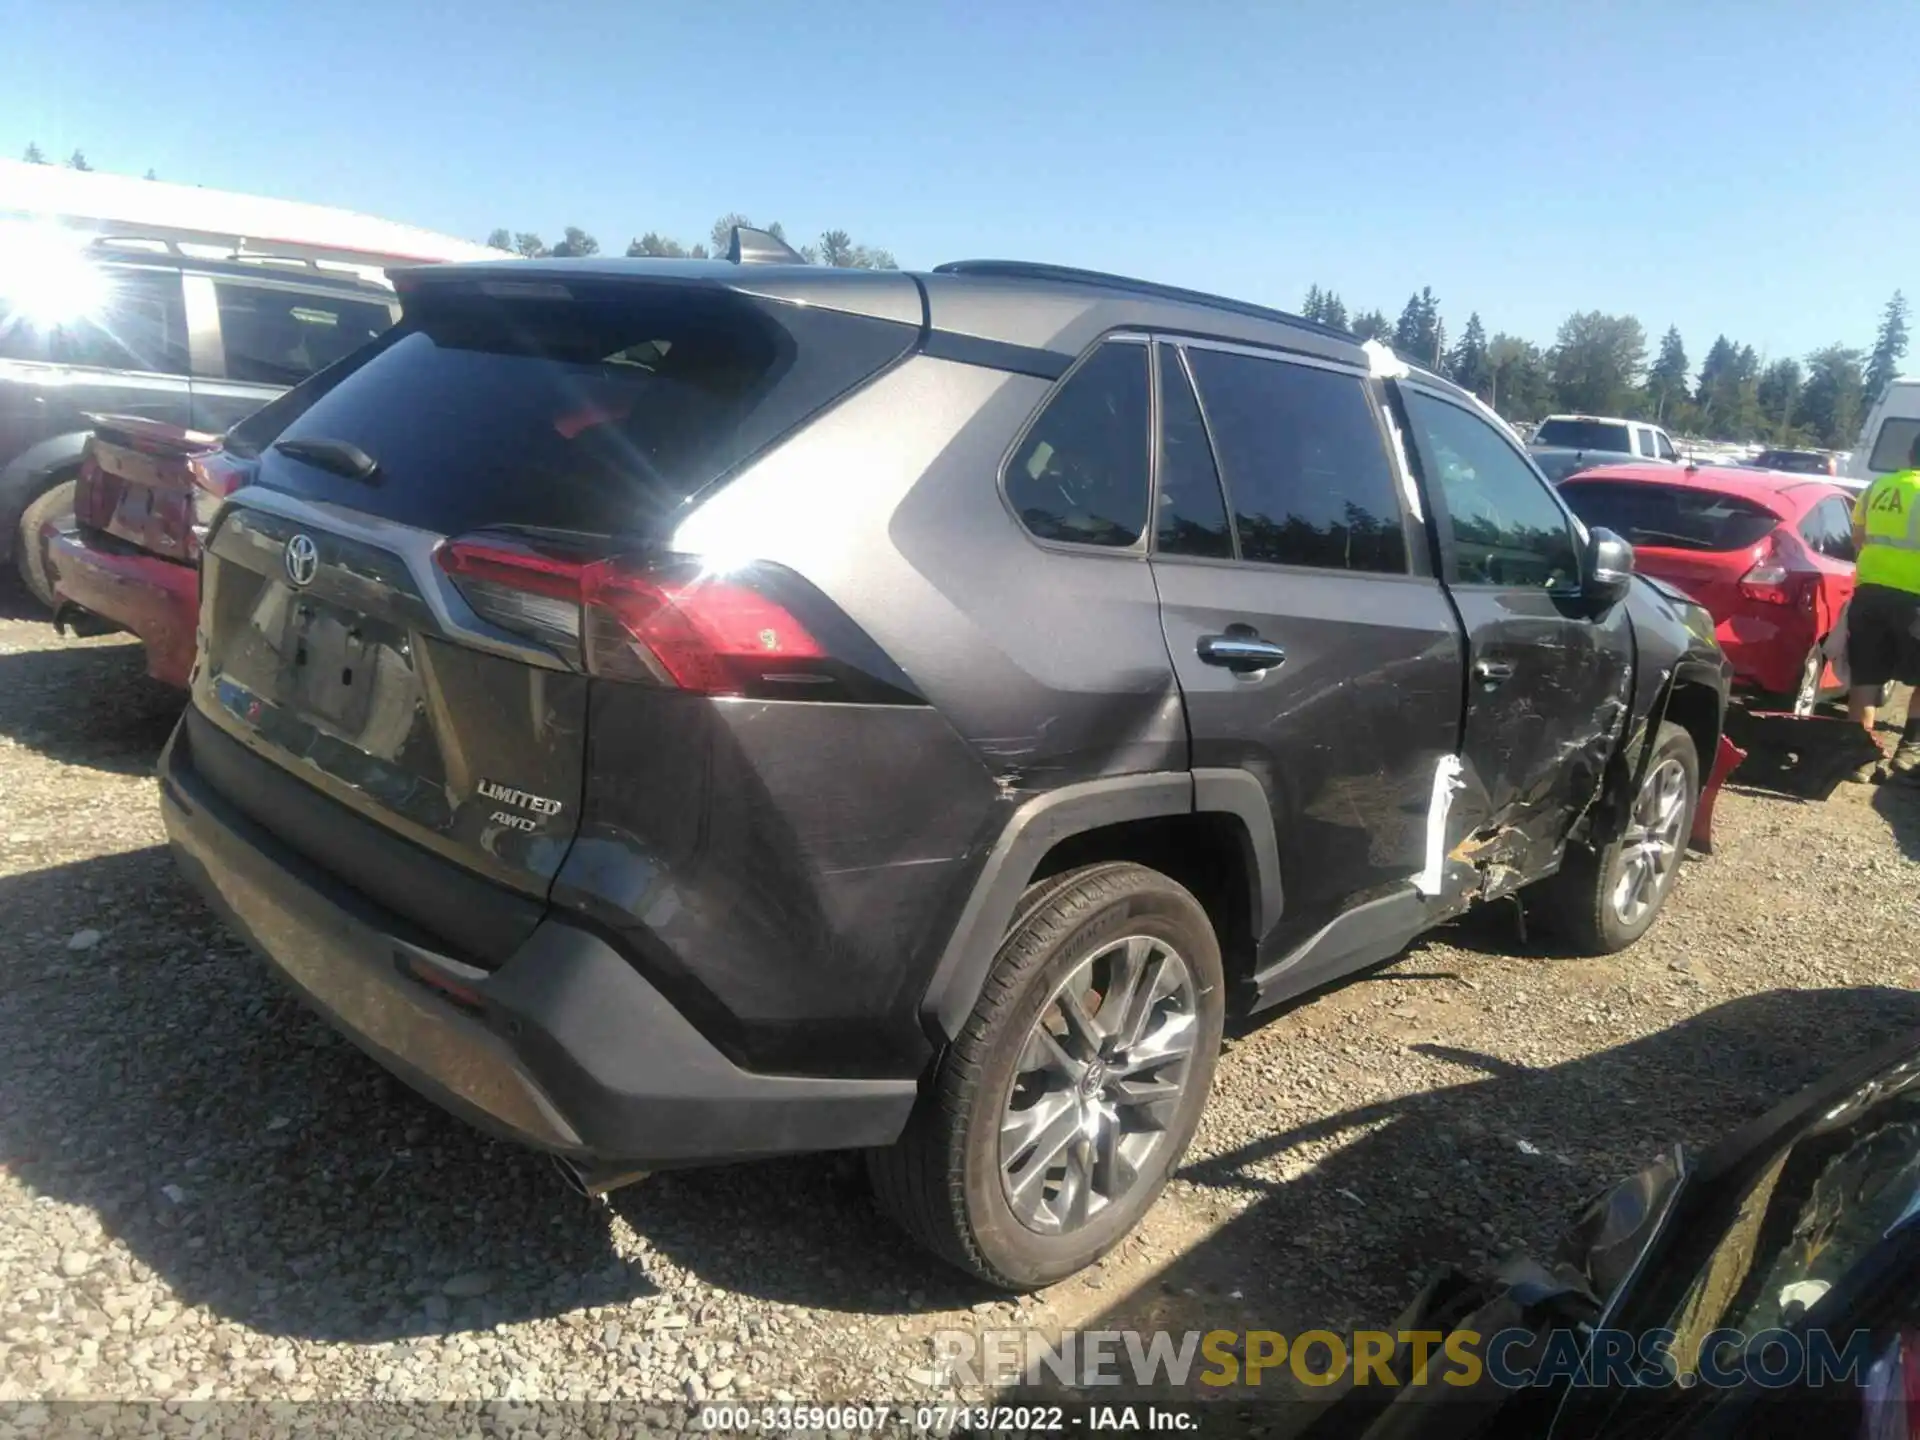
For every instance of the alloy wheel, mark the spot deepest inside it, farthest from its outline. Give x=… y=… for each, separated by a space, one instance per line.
x=1098 y=1081
x=1651 y=847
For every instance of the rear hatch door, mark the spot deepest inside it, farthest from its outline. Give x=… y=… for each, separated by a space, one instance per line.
x=1697 y=538
x=335 y=646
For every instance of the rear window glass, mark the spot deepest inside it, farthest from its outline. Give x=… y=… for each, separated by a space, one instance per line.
x=1674 y=517
x=1585 y=435
x=600 y=411
x=1893 y=446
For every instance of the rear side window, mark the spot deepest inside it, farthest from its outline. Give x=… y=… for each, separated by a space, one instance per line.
x=1192 y=517
x=1584 y=435
x=1080 y=476
x=1828 y=529
x=1893 y=446
x=119 y=319
x=1305 y=466
x=276 y=336
x=1672 y=517
x=586 y=407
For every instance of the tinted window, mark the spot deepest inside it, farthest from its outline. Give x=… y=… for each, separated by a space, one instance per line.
x=1081 y=473
x=1828 y=528
x=279 y=337
x=128 y=320
x=1893 y=446
x=141 y=327
x=1674 y=517
x=1665 y=447
x=1192 y=519
x=1304 y=463
x=1505 y=528
x=602 y=411
x=1584 y=435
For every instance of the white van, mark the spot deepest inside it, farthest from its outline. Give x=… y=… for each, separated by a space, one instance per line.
x=1886 y=440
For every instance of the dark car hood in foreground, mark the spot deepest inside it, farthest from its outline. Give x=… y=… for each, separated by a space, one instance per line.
x=1797 y=1221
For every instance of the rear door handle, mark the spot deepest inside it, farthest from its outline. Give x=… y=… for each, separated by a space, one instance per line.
x=1240 y=651
x=1492 y=672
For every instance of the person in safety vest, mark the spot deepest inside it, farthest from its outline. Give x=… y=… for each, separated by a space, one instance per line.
x=1883 y=622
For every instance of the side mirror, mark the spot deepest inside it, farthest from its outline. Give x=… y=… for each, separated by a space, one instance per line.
x=1608 y=568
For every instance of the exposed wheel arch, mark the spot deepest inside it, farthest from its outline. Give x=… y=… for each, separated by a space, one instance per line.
x=1211 y=830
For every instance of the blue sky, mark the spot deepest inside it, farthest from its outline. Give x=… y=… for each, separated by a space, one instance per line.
x=1722 y=166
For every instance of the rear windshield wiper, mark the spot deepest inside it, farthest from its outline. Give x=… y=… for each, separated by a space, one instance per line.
x=340 y=457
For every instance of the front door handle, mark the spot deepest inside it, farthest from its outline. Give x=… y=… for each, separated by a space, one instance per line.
x=1241 y=651
x=1491 y=673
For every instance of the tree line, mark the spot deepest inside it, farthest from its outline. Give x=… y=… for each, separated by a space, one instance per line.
x=834 y=247
x=1597 y=365
x=34 y=155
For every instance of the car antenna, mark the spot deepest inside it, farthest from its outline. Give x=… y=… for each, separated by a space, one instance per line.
x=761 y=247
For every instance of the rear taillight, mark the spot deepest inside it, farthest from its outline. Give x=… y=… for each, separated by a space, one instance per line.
x=1768 y=580
x=673 y=624
x=215 y=477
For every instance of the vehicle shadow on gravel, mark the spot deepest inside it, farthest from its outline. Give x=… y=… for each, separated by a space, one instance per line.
x=90 y=705
x=1501 y=1162
x=258 y=1165
x=1899 y=806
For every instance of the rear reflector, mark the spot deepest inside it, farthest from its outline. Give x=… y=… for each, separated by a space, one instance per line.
x=672 y=625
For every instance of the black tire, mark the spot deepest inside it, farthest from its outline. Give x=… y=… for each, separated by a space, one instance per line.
x=29 y=556
x=942 y=1181
x=1578 y=903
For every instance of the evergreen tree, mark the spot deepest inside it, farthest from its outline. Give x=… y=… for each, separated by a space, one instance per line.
x=1333 y=312
x=1418 y=333
x=1667 y=381
x=1371 y=325
x=1889 y=347
x=1467 y=363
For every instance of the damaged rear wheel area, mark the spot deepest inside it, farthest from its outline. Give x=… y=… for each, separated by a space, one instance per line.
x=1607 y=895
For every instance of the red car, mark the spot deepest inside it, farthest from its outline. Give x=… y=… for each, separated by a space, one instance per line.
x=144 y=494
x=1769 y=554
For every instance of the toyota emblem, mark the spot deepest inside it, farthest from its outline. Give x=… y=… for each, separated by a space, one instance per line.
x=303 y=560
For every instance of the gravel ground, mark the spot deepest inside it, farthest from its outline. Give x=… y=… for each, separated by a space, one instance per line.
x=206 y=1195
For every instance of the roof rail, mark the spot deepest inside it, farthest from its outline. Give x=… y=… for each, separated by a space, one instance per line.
x=318 y=262
x=761 y=247
x=1069 y=275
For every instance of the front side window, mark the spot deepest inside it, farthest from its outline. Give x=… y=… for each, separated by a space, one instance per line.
x=1665 y=447
x=1505 y=528
x=1080 y=476
x=1304 y=462
x=275 y=336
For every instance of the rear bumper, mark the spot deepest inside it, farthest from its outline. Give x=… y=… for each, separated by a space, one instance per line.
x=157 y=600
x=565 y=1047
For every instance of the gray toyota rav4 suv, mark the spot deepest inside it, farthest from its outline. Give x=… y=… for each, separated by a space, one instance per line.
x=682 y=712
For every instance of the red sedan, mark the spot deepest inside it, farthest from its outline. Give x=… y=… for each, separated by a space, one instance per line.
x=1769 y=554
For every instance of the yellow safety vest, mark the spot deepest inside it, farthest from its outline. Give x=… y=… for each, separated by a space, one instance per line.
x=1891 y=554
